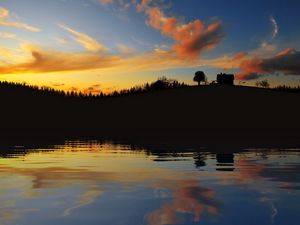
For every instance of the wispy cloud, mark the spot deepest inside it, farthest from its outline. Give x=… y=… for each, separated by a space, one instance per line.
x=86 y=41
x=46 y=61
x=62 y=40
x=57 y=84
x=5 y=53
x=267 y=44
x=275 y=27
x=106 y=2
x=41 y=60
x=142 y=5
x=7 y=35
x=5 y=20
x=125 y=50
x=93 y=89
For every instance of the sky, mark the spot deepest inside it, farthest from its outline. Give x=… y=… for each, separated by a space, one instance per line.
x=106 y=45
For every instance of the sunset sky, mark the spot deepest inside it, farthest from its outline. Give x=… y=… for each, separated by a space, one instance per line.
x=103 y=45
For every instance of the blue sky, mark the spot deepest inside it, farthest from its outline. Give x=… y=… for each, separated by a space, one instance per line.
x=245 y=38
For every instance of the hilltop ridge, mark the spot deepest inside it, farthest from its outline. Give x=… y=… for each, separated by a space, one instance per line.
x=196 y=109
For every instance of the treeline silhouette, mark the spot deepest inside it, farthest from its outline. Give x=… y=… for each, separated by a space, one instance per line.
x=162 y=83
x=181 y=110
x=287 y=88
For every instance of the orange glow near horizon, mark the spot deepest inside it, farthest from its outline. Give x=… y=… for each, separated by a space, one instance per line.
x=71 y=51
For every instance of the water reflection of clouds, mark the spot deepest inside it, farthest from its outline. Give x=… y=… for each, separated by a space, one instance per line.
x=188 y=198
x=8 y=214
x=274 y=210
x=61 y=178
x=182 y=192
x=282 y=176
x=85 y=199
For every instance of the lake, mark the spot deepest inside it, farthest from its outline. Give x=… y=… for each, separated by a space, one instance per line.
x=101 y=182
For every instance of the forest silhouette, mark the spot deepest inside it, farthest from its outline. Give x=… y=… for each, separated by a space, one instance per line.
x=164 y=107
x=162 y=83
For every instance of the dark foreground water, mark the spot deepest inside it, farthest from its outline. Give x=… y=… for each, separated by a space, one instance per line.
x=97 y=183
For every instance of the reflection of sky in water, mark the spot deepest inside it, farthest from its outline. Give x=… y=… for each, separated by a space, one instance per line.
x=89 y=183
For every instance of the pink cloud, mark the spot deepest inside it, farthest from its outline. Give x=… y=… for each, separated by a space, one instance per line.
x=240 y=55
x=190 y=39
x=106 y=2
x=286 y=62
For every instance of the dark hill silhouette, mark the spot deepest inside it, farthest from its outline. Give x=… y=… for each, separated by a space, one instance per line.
x=215 y=111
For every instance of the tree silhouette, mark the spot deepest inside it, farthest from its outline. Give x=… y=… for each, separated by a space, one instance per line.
x=263 y=84
x=161 y=83
x=199 y=77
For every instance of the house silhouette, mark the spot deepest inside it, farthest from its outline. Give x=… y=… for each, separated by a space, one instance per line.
x=224 y=78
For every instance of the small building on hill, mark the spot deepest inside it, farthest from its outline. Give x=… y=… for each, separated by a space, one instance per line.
x=224 y=78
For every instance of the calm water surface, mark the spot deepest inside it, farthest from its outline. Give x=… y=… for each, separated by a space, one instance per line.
x=95 y=183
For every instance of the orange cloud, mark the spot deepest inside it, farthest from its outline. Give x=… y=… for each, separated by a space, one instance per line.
x=286 y=62
x=6 y=21
x=239 y=55
x=94 y=89
x=142 y=5
x=43 y=61
x=86 y=41
x=38 y=60
x=106 y=2
x=190 y=39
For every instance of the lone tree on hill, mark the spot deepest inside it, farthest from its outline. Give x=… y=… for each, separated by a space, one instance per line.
x=199 y=77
